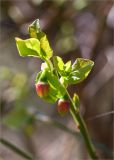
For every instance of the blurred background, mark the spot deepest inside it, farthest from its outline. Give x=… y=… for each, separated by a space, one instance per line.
x=75 y=28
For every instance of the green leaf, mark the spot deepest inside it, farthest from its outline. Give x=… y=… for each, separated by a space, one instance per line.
x=72 y=74
x=35 y=32
x=63 y=69
x=34 y=29
x=68 y=66
x=46 y=50
x=58 y=63
x=37 y=46
x=81 y=63
x=17 y=118
x=52 y=96
x=53 y=80
x=57 y=89
x=29 y=47
x=80 y=70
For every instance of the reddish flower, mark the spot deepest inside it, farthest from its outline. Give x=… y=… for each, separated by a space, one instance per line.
x=42 y=89
x=63 y=106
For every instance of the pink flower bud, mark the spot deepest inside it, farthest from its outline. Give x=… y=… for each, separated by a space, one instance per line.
x=42 y=89
x=63 y=106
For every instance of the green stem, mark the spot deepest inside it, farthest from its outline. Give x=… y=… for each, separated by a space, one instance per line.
x=49 y=121
x=49 y=64
x=15 y=149
x=78 y=118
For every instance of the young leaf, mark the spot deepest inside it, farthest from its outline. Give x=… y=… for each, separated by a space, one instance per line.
x=28 y=47
x=52 y=97
x=35 y=32
x=80 y=70
x=34 y=29
x=58 y=62
x=57 y=89
x=59 y=65
x=68 y=66
x=63 y=69
x=46 y=50
x=82 y=63
x=53 y=80
x=37 y=46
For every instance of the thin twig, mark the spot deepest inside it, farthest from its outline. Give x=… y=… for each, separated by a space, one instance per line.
x=15 y=149
x=100 y=115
